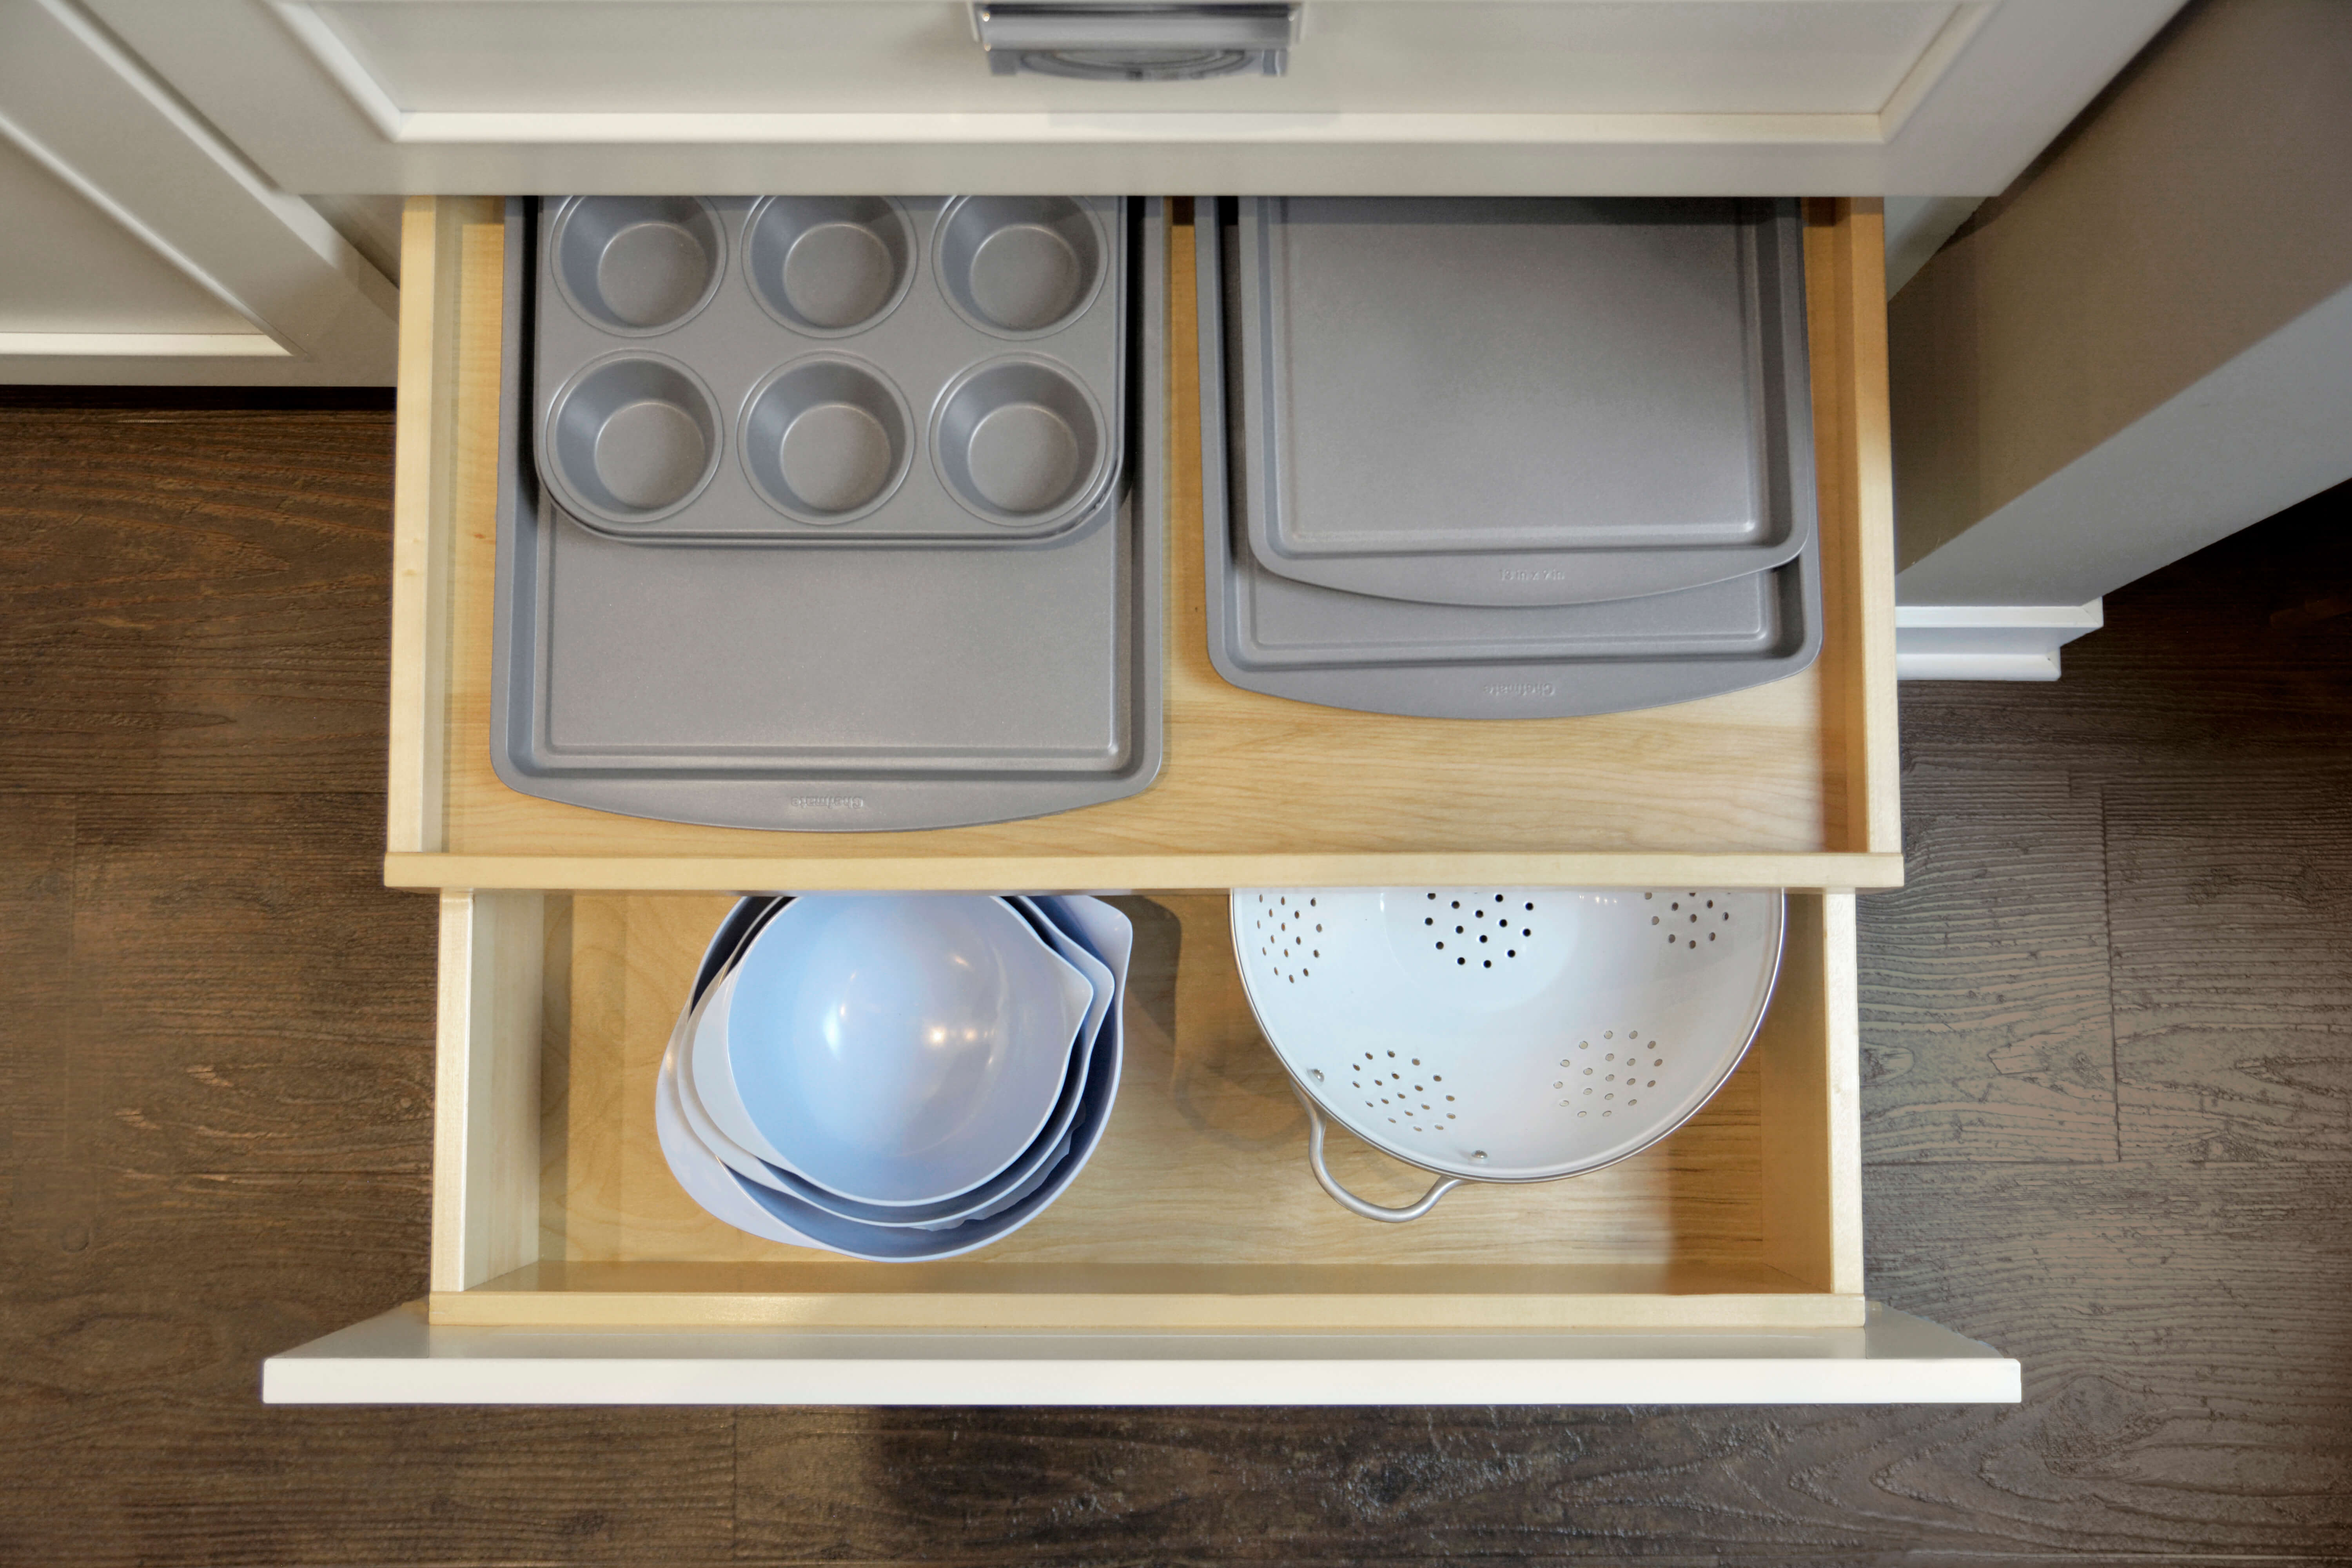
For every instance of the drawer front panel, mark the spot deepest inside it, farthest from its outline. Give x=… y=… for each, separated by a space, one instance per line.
x=1374 y=97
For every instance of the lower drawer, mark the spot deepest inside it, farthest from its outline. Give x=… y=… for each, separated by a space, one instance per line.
x=1195 y=1261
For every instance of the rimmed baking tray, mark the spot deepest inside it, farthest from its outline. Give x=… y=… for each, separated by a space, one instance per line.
x=830 y=370
x=1512 y=401
x=1274 y=635
x=742 y=685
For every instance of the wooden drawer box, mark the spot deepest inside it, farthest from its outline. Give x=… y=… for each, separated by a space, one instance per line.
x=1194 y=1261
x=1789 y=784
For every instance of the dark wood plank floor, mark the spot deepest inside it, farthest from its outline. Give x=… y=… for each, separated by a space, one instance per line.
x=2108 y=1119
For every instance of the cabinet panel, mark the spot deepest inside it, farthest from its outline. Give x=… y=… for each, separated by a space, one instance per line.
x=1448 y=97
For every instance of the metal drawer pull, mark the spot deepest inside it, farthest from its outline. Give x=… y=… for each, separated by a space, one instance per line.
x=1137 y=42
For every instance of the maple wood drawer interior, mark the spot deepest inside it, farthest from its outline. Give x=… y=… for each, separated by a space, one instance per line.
x=553 y=1206
x=1788 y=784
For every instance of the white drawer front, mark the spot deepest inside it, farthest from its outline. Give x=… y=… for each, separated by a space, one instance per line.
x=399 y=1359
x=1766 y=97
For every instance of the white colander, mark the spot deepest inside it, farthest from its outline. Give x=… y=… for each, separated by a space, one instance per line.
x=1505 y=1034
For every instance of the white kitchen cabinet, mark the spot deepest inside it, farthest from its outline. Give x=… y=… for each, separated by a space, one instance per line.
x=1459 y=97
x=140 y=246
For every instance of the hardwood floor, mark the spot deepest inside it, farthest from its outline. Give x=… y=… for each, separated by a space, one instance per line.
x=2108 y=1119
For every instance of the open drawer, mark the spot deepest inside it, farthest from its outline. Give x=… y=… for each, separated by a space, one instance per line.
x=1790 y=784
x=1195 y=1261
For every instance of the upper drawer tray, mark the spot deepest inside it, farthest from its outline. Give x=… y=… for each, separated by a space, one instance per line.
x=1788 y=784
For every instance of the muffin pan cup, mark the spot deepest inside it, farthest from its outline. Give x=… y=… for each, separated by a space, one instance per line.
x=1286 y=639
x=923 y=295
x=1492 y=402
x=899 y=686
x=630 y=439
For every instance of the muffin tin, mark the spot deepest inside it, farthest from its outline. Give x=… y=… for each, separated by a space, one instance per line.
x=893 y=682
x=1271 y=632
x=830 y=369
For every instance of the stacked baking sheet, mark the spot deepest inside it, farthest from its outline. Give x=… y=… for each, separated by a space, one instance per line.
x=1505 y=458
x=831 y=512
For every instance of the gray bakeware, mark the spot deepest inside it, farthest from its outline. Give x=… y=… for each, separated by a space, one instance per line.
x=1507 y=401
x=834 y=690
x=830 y=370
x=1285 y=639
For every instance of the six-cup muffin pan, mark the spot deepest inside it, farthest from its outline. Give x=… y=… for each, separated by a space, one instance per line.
x=830 y=370
x=884 y=685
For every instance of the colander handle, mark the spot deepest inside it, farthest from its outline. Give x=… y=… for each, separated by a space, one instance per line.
x=1350 y=1201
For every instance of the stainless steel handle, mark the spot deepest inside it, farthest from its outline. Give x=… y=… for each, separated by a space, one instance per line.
x=1350 y=1201
x=1135 y=40
x=1026 y=24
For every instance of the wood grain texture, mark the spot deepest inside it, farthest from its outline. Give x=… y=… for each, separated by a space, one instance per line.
x=2232 y=977
x=2188 y=1363
x=1989 y=1020
x=188 y=595
x=240 y=1006
x=1198 y=1207
x=36 y=846
x=1254 y=791
x=216 y=1030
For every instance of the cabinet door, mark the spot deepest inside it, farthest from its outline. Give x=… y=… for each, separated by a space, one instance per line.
x=1765 y=97
x=399 y=1358
x=139 y=248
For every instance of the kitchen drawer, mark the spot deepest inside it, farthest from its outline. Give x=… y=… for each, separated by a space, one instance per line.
x=1788 y=785
x=1194 y=1262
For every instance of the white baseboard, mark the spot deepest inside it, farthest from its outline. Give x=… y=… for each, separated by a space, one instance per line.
x=1988 y=642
